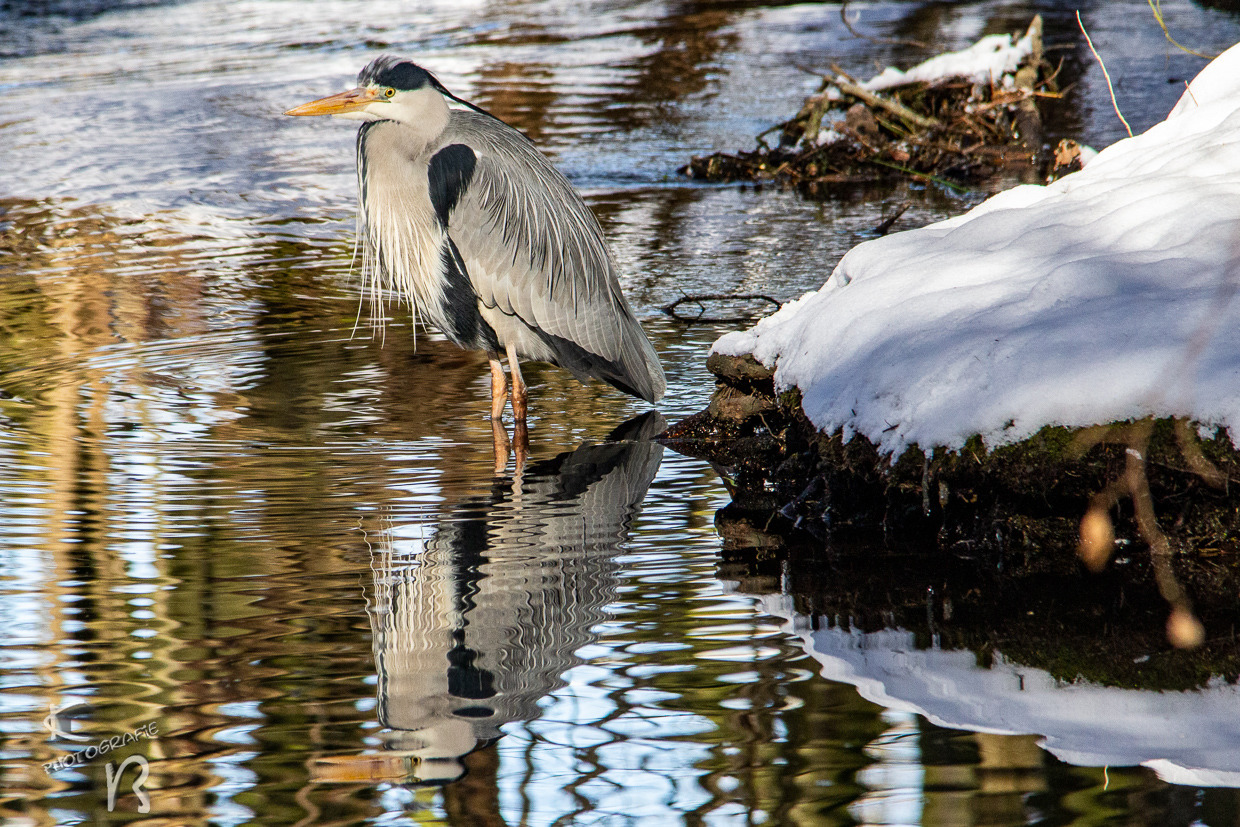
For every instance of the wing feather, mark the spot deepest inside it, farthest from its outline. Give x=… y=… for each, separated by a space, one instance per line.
x=535 y=253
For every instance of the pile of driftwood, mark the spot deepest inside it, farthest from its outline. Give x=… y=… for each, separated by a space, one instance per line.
x=953 y=130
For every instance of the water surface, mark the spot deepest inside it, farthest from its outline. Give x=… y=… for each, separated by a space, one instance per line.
x=232 y=510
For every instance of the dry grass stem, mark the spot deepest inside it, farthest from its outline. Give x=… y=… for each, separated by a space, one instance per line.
x=1105 y=74
x=1156 y=7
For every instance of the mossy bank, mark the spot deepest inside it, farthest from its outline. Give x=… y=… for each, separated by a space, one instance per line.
x=1028 y=496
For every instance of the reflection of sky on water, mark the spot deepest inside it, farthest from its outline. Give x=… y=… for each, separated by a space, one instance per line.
x=896 y=778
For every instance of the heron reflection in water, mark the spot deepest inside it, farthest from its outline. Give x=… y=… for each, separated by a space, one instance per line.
x=463 y=218
x=479 y=624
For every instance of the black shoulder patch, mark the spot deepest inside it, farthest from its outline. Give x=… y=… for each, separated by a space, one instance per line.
x=451 y=170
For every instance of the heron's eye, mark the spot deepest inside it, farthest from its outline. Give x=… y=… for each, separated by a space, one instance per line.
x=389 y=92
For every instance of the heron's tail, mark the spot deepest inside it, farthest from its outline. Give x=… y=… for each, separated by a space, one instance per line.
x=642 y=374
x=634 y=368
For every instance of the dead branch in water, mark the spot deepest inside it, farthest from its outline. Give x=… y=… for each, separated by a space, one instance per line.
x=887 y=223
x=876 y=101
x=952 y=131
x=699 y=298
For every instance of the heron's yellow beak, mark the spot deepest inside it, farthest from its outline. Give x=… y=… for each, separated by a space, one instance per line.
x=338 y=104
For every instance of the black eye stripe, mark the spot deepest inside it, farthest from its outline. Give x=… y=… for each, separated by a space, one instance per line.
x=402 y=75
x=405 y=76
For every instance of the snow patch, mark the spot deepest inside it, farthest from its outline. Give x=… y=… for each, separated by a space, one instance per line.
x=990 y=60
x=1075 y=303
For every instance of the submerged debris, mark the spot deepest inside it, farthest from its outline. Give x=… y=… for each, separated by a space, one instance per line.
x=699 y=301
x=960 y=118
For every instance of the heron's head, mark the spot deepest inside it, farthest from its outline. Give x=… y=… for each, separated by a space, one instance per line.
x=388 y=89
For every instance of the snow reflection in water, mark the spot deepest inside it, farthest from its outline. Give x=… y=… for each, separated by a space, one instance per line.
x=1188 y=737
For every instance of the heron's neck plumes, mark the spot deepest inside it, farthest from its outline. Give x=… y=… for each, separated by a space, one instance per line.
x=401 y=238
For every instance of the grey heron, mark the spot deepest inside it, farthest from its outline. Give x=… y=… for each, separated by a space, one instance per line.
x=462 y=217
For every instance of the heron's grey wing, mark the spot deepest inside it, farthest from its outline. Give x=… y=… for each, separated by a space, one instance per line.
x=537 y=260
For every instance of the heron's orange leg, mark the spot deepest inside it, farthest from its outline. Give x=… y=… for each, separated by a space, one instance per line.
x=499 y=397
x=499 y=388
x=520 y=434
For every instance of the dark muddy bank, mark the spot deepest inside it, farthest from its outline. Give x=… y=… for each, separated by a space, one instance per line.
x=1039 y=611
x=1028 y=496
x=1000 y=529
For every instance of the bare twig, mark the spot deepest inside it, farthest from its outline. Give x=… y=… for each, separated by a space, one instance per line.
x=699 y=298
x=1028 y=119
x=1105 y=74
x=1184 y=630
x=898 y=109
x=885 y=226
x=885 y=41
x=1197 y=462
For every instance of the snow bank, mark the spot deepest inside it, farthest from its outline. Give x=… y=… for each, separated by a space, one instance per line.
x=1101 y=297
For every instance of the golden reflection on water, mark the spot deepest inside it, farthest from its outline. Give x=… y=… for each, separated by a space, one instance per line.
x=228 y=513
x=215 y=471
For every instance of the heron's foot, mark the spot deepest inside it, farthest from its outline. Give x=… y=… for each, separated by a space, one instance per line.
x=520 y=443
x=499 y=438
